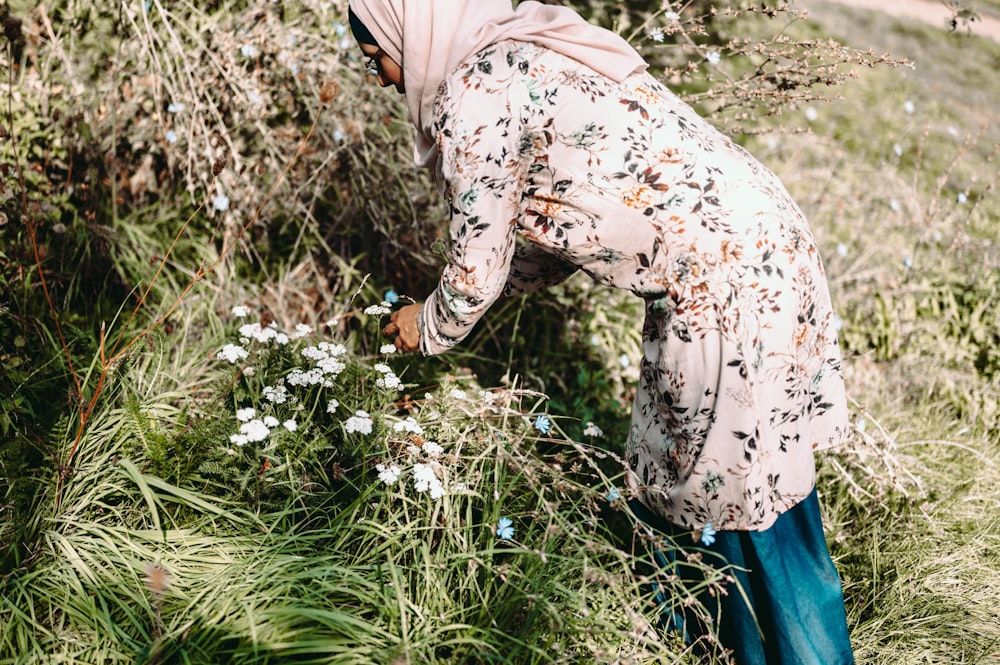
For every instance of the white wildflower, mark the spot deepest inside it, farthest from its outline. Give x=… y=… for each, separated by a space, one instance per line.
x=811 y=114
x=332 y=405
x=298 y=377
x=271 y=422
x=255 y=430
x=244 y=415
x=458 y=393
x=425 y=480
x=290 y=425
x=432 y=449
x=360 y=422
x=409 y=425
x=388 y=474
x=592 y=430
x=378 y=310
x=275 y=394
x=241 y=311
x=257 y=332
x=232 y=353
x=389 y=381
x=672 y=16
x=387 y=349
x=656 y=34
x=239 y=440
x=908 y=106
x=713 y=57
x=301 y=330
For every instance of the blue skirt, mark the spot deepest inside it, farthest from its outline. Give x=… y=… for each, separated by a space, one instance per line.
x=786 y=606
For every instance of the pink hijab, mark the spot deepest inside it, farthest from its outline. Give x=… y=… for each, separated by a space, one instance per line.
x=429 y=38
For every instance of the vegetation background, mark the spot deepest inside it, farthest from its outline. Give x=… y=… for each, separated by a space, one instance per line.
x=179 y=177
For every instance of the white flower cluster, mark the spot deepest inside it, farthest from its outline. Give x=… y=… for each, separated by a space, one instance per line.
x=425 y=480
x=254 y=429
x=424 y=458
x=388 y=474
x=410 y=425
x=388 y=379
x=379 y=310
x=232 y=353
x=263 y=334
x=277 y=394
x=326 y=365
x=360 y=423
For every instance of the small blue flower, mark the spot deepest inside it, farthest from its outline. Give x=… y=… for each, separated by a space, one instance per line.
x=543 y=424
x=391 y=297
x=221 y=202
x=613 y=495
x=505 y=528
x=175 y=107
x=708 y=534
x=249 y=51
x=339 y=29
x=171 y=136
x=962 y=198
x=338 y=136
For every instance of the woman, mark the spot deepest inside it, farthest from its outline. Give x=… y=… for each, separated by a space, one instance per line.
x=542 y=126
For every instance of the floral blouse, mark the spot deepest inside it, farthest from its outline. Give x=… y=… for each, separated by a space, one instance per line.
x=740 y=377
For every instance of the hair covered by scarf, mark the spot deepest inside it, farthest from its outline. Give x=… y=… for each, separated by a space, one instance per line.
x=429 y=38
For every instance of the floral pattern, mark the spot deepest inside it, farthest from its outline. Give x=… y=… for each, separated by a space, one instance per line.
x=549 y=168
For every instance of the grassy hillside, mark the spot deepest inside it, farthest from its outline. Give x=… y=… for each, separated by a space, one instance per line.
x=899 y=180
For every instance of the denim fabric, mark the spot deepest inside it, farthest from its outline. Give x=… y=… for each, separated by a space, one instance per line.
x=788 y=607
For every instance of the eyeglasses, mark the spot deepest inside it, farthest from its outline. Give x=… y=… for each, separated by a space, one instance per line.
x=371 y=64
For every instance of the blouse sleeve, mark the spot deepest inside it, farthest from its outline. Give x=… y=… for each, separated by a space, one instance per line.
x=480 y=174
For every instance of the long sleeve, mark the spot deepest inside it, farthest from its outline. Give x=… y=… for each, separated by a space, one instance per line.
x=481 y=174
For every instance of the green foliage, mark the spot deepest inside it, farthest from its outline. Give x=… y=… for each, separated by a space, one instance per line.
x=350 y=568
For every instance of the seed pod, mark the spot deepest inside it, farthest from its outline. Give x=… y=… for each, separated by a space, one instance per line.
x=328 y=91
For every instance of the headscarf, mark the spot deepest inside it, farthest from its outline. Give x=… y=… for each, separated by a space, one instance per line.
x=429 y=38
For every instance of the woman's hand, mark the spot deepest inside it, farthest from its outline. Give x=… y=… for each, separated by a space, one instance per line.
x=403 y=324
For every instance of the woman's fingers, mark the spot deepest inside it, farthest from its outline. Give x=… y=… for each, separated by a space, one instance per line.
x=391 y=328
